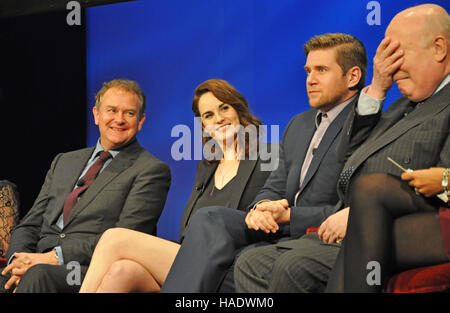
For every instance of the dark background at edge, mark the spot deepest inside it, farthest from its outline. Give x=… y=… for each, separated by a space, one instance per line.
x=42 y=96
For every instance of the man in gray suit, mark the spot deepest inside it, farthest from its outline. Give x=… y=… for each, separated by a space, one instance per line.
x=413 y=131
x=302 y=188
x=117 y=183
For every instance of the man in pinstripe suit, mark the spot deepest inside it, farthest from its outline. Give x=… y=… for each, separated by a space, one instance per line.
x=413 y=131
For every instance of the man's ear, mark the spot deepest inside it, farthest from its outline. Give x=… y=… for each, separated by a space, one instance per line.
x=95 y=113
x=440 y=48
x=141 y=122
x=353 y=76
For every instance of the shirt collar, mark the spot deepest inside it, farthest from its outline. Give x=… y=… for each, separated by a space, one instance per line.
x=443 y=83
x=99 y=148
x=334 y=112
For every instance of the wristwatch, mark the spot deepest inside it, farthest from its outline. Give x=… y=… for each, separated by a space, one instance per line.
x=444 y=182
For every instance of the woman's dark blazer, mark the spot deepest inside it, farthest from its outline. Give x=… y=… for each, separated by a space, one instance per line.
x=251 y=180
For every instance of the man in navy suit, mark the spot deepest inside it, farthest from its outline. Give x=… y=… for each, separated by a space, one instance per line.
x=299 y=194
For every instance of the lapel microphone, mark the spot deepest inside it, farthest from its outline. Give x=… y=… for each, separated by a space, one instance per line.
x=80 y=182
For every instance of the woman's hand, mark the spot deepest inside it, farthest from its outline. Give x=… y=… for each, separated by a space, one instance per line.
x=428 y=182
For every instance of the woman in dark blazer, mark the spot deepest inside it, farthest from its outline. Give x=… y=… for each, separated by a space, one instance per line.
x=230 y=175
x=247 y=186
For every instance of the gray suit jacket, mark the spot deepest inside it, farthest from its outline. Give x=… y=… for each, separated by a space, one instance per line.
x=416 y=141
x=130 y=192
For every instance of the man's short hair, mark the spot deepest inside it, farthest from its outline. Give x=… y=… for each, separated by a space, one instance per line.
x=350 y=52
x=123 y=84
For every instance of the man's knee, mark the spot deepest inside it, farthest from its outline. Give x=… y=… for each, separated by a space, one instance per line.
x=243 y=263
x=48 y=278
x=35 y=277
x=38 y=271
x=288 y=266
x=253 y=268
x=256 y=261
x=242 y=270
x=294 y=272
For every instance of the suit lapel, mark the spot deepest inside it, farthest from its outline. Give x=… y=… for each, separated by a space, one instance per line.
x=429 y=108
x=207 y=173
x=390 y=118
x=121 y=162
x=245 y=170
x=72 y=171
x=305 y=133
x=332 y=132
x=203 y=175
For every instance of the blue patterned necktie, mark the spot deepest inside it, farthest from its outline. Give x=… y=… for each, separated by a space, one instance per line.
x=344 y=178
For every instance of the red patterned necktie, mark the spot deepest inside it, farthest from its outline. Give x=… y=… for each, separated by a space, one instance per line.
x=84 y=183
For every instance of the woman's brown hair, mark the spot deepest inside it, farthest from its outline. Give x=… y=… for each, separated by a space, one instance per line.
x=226 y=93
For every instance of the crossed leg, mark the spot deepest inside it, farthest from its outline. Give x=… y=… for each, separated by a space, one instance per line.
x=129 y=261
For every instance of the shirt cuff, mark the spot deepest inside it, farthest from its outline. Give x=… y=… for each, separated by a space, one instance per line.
x=10 y=259
x=368 y=105
x=60 y=255
x=260 y=201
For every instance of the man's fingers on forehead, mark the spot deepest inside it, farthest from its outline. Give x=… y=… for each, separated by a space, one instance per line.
x=383 y=44
x=391 y=48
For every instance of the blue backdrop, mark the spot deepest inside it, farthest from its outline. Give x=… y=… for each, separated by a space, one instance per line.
x=170 y=46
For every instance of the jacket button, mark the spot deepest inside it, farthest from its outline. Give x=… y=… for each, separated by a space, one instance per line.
x=407 y=160
x=62 y=235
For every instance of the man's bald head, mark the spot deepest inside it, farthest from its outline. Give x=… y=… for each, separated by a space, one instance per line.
x=426 y=21
x=423 y=34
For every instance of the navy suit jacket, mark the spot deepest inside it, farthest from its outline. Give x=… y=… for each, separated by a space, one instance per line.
x=318 y=194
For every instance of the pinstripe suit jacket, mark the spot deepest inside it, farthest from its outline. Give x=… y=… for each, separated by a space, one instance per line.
x=416 y=141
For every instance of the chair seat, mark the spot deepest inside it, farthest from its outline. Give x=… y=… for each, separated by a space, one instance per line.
x=426 y=279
